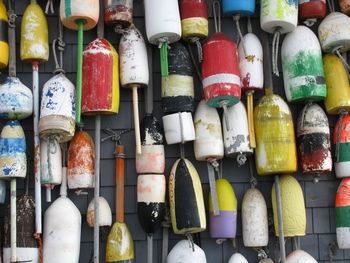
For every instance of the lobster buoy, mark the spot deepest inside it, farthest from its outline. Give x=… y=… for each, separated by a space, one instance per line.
x=220 y=71
x=208 y=143
x=337 y=82
x=302 y=66
x=50 y=162
x=311 y=9
x=342 y=142
x=178 y=128
x=266 y=260
x=27 y=249
x=105 y=213
x=236 y=139
x=275 y=140
x=34 y=35
x=194 y=19
x=13 y=160
x=237 y=258
x=186 y=199
x=342 y=214
x=313 y=138
x=62 y=229
x=334 y=33
x=4 y=45
x=119 y=12
x=344 y=6
x=152 y=158
x=184 y=253
x=57 y=114
x=16 y=100
x=293 y=207
x=74 y=10
x=254 y=219
x=177 y=87
x=230 y=7
x=151 y=190
x=81 y=162
x=2 y=191
x=100 y=94
x=300 y=256
x=223 y=226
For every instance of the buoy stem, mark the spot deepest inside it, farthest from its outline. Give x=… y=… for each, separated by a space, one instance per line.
x=79 y=80
x=213 y=191
x=119 y=201
x=97 y=188
x=331 y=5
x=13 y=221
x=275 y=48
x=165 y=241
x=182 y=150
x=164 y=58
x=250 y=102
x=280 y=219
x=149 y=248
x=135 y=103
x=12 y=42
x=223 y=104
x=48 y=194
x=149 y=90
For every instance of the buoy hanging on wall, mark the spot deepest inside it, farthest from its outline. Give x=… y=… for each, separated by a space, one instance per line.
x=293 y=207
x=313 y=138
x=342 y=214
x=237 y=258
x=300 y=256
x=13 y=160
x=105 y=213
x=184 y=253
x=302 y=66
x=81 y=162
x=50 y=162
x=178 y=128
x=224 y=225
x=254 y=219
x=344 y=6
x=276 y=150
x=186 y=199
x=341 y=139
x=119 y=12
x=4 y=45
x=238 y=7
x=310 y=10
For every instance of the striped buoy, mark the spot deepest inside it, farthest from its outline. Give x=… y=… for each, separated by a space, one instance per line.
x=4 y=45
x=119 y=12
x=341 y=139
x=342 y=214
x=105 y=213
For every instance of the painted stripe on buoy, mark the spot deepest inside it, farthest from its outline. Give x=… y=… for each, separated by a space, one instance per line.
x=68 y=10
x=221 y=78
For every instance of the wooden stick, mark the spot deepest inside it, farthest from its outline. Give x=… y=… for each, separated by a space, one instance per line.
x=119 y=180
x=135 y=104
x=251 y=120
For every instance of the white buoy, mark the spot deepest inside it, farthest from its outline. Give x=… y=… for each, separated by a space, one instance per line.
x=184 y=253
x=105 y=213
x=50 y=162
x=300 y=256
x=178 y=128
x=237 y=258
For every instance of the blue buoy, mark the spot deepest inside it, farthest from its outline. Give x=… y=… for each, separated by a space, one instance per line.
x=231 y=7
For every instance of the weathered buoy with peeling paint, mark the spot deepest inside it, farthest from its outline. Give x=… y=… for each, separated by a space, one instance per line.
x=237 y=258
x=293 y=207
x=337 y=81
x=81 y=162
x=57 y=113
x=208 y=144
x=178 y=128
x=275 y=140
x=342 y=143
x=105 y=213
x=300 y=256
x=342 y=214
x=151 y=190
x=16 y=100
x=119 y=12
x=186 y=199
x=4 y=45
x=194 y=19
x=62 y=229
x=74 y=10
x=224 y=225
x=313 y=138
x=334 y=33
x=13 y=160
x=344 y=6
x=100 y=94
x=220 y=71
x=184 y=253
x=27 y=249
x=311 y=9
x=34 y=34
x=230 y=7
x=254 y=219
x=50 y=162
x=266 y=260
x=236 y=139
x=177 y=87
x=2 y=191
x=302 y=66
x=152 y=158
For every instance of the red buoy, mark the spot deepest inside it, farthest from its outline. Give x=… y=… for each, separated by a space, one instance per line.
x=220 y=71
x=312 y=9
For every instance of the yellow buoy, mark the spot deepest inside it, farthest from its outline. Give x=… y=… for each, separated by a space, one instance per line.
x=337 y=82
x=275 y=139
x=34 y=34
x=293 y=207
x=4 y=45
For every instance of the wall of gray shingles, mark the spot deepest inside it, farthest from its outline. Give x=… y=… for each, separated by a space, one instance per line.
x=319 y=198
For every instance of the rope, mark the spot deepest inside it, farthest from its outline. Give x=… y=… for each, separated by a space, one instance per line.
x=220 y=170
x=345 y=63
x=190 y=241
x=249 y=25
x=49 y=5
x=51 y=149
x=275 y=47
x=195 y=40
x=37 y=236
x=261 y=253
x=236 y=19
x=310 y=22
x=217 y=15
x=241 y=159
x=252 y=180
x=342 y=113
x=60 y=45
x=331 y=5
x=194 y=63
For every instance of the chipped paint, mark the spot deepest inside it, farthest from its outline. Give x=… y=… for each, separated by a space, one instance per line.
x=119 y=12
x=105 y=213
x=312 y=9
x=194 y=19
x=119 y=246
x=52 y=156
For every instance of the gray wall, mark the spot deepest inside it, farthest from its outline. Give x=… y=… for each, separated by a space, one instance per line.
x=319 y=198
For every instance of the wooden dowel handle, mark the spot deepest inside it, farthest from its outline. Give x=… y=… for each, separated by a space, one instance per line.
x=119 y=180
x=135 y=104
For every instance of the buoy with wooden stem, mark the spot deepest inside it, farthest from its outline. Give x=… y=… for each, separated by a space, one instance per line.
x=35 y=49
x=133 y=70
x=120 y=245
x=79 y=15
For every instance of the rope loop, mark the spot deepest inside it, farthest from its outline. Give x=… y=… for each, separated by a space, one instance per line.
x=275 y=47
x=217 y=15
x=49 y=5
x=60 y=45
